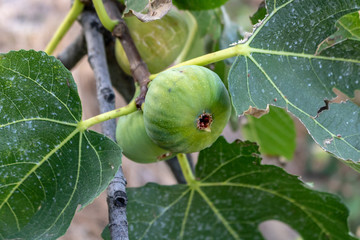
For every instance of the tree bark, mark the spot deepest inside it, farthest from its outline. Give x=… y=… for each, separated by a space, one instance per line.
x=116 y=193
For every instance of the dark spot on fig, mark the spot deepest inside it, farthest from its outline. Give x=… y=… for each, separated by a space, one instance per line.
x=181 y=71
x=204 y=122
x=163 y=156
x=169 y=90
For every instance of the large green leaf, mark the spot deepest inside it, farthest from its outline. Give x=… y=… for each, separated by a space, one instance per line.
x=232 y=195
x=282 y=69
x=274 y=132
x=48 y=165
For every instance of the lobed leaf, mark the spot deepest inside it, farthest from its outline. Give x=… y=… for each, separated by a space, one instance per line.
x=232 y=195
x=48 y=166
x=284 y=69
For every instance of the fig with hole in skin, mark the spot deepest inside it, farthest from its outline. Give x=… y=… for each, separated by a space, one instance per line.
x=186 y=109
x=135 y=143
x=159 y=42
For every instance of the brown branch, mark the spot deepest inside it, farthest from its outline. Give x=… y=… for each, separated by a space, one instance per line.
x=138 y=67
x=116 y=194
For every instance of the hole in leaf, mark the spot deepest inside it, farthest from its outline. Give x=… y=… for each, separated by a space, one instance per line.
x=276 y=230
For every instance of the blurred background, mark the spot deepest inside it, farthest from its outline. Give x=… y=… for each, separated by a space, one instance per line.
x=30 y=24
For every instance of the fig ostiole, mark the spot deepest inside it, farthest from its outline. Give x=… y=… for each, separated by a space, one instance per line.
x=134 y=141
x=186 y=109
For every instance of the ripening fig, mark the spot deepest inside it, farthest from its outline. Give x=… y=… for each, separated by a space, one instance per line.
x=186 y=109
x=159 y=42
x=135 y=143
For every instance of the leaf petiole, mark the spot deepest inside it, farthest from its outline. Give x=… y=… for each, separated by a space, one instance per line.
x=70 y=18
x=131 y=107
x=192 y=28
x=186 y=169
x=108 y=23
x=240 y=49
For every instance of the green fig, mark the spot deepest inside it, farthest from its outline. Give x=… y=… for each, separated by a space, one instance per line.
x=159 y=42
x=186 y=109
x=134 y=141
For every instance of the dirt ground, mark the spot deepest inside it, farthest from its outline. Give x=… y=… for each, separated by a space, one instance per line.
x=30 y=24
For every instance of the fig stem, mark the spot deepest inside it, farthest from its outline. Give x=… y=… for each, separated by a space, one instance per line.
x=240 y=49
x=185 y=168
x=70 y=18
x=131 y=107
x=192 y=29
x=108 y=23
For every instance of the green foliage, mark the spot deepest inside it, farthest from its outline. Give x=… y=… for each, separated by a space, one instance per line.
x=48 y=166
x=232 y=194
x=259 y=15
x=302 y=50
x=274 y=132
x=345 y=39
x=283 y=70
x=198 y=4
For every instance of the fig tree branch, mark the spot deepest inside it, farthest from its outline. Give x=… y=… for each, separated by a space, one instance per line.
x=97 y=59
x=73 y=53
x=116 y=194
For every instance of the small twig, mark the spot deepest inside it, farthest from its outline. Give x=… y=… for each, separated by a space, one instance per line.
x=116 y=198
x=138 y=67
x=71 y=55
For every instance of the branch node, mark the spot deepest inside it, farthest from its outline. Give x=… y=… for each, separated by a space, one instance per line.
x=108 y=94
x=141 y=98
x=120 y=199
x=119 y=29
